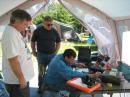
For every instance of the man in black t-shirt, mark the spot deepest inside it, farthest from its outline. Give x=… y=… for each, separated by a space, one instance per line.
x=47 y=41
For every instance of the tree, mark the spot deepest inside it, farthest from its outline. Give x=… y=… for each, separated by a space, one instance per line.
x=59 y=13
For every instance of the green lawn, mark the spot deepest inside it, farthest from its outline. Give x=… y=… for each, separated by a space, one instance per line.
x=65 y=45
x=72 y=45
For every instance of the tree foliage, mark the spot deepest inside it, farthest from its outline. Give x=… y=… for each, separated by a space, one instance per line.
x=59 y=13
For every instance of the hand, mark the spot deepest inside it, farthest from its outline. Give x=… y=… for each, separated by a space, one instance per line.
x=22 y=83
x=95 y=75
x=98 y=74
x=34 y=54
x=107 y=67
x=55 y=52
x=80 y=65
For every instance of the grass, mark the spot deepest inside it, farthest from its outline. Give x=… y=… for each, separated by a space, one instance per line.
x=72 y=45
x=64 y=45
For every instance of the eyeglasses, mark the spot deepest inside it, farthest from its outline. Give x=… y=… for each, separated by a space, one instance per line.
x=49 y=24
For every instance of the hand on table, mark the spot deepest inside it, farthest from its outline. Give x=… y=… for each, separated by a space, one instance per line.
x=34 y=54
x=80 y=65
x=95 y=75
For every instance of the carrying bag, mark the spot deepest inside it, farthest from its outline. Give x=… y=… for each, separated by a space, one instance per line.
x=125 y=69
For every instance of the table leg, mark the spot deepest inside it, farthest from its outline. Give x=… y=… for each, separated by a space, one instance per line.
x=92 y=95
x=111 y=94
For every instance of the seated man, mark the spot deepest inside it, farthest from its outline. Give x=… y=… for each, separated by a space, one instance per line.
x=59 y=71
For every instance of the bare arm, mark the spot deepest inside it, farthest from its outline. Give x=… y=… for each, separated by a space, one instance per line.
x=57 y=47
x=15 y=65
x=33 y=49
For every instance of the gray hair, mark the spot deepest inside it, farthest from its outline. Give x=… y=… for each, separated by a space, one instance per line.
x=48 y=18
x=20 y=15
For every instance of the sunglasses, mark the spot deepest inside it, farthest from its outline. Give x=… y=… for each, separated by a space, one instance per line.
x=49 y=24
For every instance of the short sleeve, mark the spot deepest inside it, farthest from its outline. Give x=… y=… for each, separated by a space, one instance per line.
x=10 y=46
x=34 y=36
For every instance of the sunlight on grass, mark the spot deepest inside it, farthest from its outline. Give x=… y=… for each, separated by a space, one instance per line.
x=64 y=45
x=72 y=45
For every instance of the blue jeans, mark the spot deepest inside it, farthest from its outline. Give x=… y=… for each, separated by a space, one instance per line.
x=43 y=61
x=3 y=92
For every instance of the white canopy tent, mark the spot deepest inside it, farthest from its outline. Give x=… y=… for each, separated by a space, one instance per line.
x=7 y=6
x=107 y=20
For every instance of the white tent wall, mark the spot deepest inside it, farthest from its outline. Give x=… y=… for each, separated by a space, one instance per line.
x=116 y=9
x=7 y=6
x=106 y=19
x=123 y=27
x=19 y=4
x=102 y=27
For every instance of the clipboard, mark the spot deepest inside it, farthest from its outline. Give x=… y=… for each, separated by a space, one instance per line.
x=77 y=83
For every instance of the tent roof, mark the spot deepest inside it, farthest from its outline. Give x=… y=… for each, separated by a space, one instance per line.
x=116 y=9
x=7 y=5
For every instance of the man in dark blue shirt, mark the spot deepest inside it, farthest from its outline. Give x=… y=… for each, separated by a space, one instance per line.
x=59 y=71
x=47 y=40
